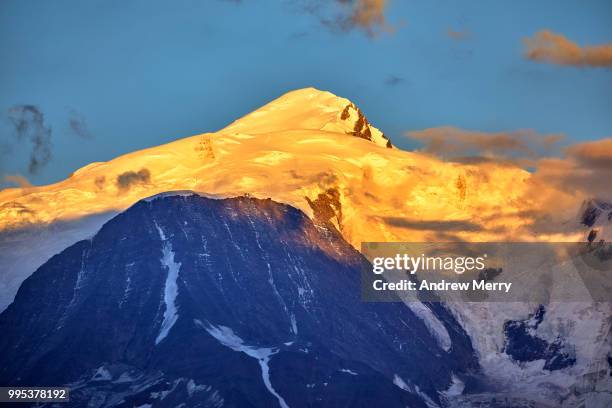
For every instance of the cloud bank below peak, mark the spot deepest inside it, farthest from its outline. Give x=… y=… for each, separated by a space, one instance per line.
x=455 y=144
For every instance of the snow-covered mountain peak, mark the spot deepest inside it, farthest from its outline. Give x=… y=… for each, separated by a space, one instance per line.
x=308 y=149
x=309 y=109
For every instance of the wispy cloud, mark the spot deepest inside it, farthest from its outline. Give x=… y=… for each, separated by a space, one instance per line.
x=78 y=125
x=370 y=15
x=584 y=167
x=18 y=180
x=457 y=35
x=393 y=80
x=346 y=15
x=29 y=125
x=595 y=155
x=432 y=225
x=521 y=146
x=547 y=46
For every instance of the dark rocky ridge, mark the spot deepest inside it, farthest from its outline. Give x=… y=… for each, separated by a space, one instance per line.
x=361 y=128
x=257 y=285
x=522 y=344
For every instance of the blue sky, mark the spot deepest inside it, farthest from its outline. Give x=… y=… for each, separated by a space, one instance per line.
x=133 y=74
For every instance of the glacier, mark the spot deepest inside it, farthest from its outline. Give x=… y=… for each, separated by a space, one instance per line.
x=170 y=287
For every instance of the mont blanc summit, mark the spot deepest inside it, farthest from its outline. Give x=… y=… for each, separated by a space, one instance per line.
x=309 y=148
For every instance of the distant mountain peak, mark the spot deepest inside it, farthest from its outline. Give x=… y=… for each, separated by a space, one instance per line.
x=310 y=109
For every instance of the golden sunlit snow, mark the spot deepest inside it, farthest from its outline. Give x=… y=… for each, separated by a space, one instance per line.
x=317 y=152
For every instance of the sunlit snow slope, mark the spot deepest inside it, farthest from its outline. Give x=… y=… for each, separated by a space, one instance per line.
x=308 y=148
x=315 y=151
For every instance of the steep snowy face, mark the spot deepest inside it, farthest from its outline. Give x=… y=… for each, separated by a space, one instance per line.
x=241 y=301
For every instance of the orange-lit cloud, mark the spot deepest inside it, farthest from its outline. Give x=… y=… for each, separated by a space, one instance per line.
x=457 y=35
x=546 y=46
x=370 y=15
x=18 y=180
x=585 y=169
x=597 y=154
x=550 y=196
x=474 y=146
x=346 y=15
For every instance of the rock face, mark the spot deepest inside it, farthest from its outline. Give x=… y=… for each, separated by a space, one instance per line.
x=362 y=127
x=523 y=345
x=596 y=215
x=188 y=300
